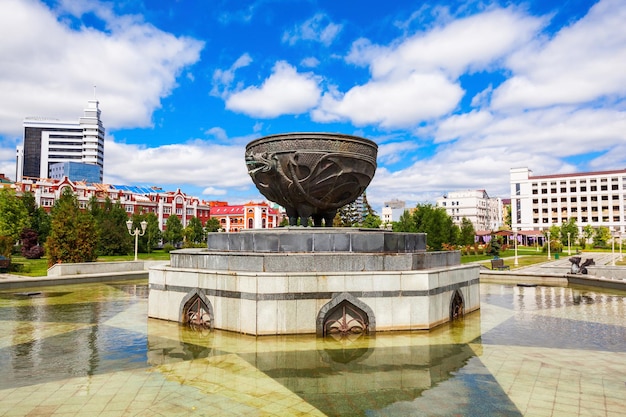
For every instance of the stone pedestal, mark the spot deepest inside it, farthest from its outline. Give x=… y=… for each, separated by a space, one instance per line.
x=288 y=281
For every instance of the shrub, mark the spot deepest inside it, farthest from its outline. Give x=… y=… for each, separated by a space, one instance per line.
x=168 y=247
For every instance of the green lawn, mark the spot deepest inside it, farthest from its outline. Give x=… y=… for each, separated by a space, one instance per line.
x=39 y=267
x=526 y=257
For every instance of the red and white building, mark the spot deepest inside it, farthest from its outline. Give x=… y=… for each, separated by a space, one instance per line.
x=140 y=200
x=246 y=216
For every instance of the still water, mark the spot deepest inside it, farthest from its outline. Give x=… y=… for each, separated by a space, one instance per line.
x=91 y=350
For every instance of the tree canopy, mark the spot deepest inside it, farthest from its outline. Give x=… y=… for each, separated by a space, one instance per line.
x=74 y=236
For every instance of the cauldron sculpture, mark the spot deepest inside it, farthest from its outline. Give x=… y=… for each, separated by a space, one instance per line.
x=311 y=174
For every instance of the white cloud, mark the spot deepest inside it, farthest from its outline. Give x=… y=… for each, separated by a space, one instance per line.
x=465 y=44
x=217 y=132
x=582 y=63
x=198 y=163
x=392 y=152
x=318 y=29
x=397 y=102
x=310 y=62
x=286 y=91
x=49 y=69
x=222 y=79
x=212 y=191
x=461 y=125
x=416 y=79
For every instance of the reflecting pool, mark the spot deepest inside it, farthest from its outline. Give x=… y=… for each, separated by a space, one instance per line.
x=90 y=350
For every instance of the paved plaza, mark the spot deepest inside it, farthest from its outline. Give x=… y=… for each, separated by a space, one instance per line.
x=90 y=350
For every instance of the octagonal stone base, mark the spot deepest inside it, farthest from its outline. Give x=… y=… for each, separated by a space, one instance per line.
x=278 y=291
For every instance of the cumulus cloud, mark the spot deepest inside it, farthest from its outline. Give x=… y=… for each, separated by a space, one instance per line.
x=200 y=163
x=47 y=64
x=286 y=91
x=318 y=28
x=581 y=63
x=416 y=79
x=396 y=102
x=471 y=43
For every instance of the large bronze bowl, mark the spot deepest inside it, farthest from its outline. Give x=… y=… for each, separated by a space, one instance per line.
x=311 y=174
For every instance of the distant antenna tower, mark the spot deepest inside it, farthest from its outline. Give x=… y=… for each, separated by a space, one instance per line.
x=94 y=92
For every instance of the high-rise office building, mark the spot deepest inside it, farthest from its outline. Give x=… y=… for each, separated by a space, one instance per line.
x=51 y=141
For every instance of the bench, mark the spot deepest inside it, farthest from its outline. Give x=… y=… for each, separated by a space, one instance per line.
x=499 y=264
x=5 y=263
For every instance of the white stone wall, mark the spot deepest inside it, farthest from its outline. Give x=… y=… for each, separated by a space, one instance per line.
x=289 y=303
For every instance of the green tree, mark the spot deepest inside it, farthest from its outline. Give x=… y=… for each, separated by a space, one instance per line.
x=349 y=216
x=586 y=236
x=571 y=228
x=405 y=223
x=74 y=236
x=437 y=224
x=467 y=234
x=13 y=215
x=113 y=236
x=372 y=221
x=194 y=232
x=601 y=236
x=173 y=230
x=213 y=225
x=152 y=236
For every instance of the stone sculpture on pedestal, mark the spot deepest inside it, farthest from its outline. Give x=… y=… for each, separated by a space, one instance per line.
x=311 y=174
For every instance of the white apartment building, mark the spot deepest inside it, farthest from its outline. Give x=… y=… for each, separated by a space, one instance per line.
x=592 y=198
x=52 y=141
x=483 y=211
x=392 y=210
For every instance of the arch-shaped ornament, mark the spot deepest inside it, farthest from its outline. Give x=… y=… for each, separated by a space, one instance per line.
x=345 y=315
x=196 y=310
x=457 y=306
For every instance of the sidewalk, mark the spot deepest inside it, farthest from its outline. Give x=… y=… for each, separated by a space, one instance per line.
x=558 y=272
x=12 y=281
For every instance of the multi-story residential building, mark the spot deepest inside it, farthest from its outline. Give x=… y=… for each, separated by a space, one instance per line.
x=591 y=198
x=139 y=200
x=392 y=210
x=483 y=211
x=51 y=141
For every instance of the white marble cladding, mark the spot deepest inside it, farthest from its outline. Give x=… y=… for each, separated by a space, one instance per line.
x=311 y=262
x=265 y=303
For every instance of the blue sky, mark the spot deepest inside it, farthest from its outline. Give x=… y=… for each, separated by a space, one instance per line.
x=455 y=93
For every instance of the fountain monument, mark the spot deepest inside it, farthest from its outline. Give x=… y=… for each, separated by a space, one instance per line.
x=323 y=280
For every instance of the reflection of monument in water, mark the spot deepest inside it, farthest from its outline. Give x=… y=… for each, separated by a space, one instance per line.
x=337 y=378
x=313 y=280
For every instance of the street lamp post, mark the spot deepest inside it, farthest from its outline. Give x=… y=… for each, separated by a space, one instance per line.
x=612 y=247
x=569 y=248
x=515 y=262
x=136 y=232
x=548 y=244
x=620 y=247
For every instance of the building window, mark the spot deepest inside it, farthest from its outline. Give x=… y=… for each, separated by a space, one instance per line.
x=129 y=208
